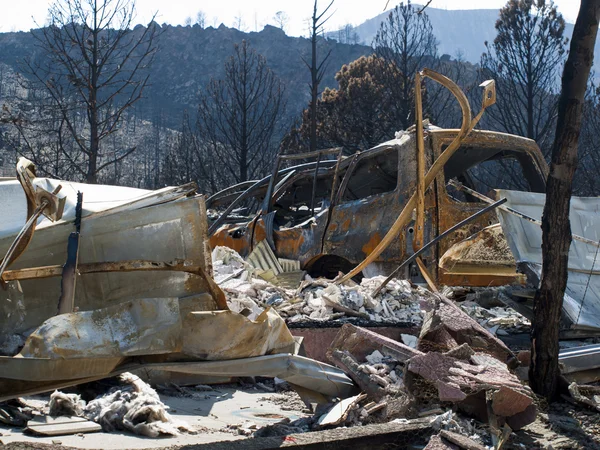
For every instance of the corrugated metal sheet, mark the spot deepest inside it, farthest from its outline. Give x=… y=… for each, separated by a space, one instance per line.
x=165 y=232
x=263 y=258
x=582 y=298
x=580 y=358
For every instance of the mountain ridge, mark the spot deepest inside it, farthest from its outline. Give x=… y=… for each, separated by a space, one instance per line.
x=453 y=36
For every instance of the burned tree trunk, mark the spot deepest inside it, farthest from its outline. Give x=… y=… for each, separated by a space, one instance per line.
x=556 y=227
x=317 y=70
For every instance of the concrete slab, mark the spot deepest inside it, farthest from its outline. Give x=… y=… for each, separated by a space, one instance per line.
x=208 y=412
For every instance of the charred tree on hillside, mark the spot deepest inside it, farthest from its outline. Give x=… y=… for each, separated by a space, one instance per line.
x=90 y=69
x=182 y=161
x=406 y=41
x=354 y=116
x=281 y=20
x=238 y=116
x=544 y=371
x=201 y=19
x=525 y=59
x=316 y=67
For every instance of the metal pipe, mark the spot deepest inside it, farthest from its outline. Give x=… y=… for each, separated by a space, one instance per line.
x=314 y=187
x=231 y=189
x=37 y=212
x=328 y=151
x=267 y=200
x=436 y=240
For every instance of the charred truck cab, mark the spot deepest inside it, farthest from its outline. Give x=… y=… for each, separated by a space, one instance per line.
x=331 y=214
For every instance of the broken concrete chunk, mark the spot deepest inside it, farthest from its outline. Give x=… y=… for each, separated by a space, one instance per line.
x=463 y=352
x=345 y=361
x=459 y=381
x=507 y=401
x=361 y=342
x=339 y=411
x=374 y=358
x=410 y=340
x=446 y=326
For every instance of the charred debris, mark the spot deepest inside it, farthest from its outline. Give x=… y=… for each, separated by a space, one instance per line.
x=388 y=291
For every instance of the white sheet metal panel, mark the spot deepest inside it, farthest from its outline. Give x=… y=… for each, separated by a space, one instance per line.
x=525 y=241
x=96 y=198
x=579 y=359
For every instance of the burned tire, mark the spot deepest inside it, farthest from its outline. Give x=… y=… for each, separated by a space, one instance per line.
x=329 y=266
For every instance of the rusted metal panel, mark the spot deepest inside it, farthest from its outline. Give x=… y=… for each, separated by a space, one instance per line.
x=485 y=279
x=450 y=211
x=363 y=224
x=186 y=266
x=357 y=226
x=420 y=209
x=434 y=241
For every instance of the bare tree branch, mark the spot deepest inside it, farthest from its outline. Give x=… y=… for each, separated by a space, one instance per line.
x=90 y=65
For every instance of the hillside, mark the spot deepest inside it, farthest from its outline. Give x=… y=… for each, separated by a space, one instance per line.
x=189 y=56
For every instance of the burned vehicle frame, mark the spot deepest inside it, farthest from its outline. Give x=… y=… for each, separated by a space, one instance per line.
x=331 y=214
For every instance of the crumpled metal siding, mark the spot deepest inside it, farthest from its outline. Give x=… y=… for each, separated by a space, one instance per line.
x=165 y=232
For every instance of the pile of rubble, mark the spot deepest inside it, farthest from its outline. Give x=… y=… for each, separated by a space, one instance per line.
x=499 y=320
x=489 y=307
x=317 y=300
x=458 y=371
x=457 y=365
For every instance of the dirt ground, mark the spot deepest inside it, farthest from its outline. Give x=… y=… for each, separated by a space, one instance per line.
x=228 y=412
x=560 y=426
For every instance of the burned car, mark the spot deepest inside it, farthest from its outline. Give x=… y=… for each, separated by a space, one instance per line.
x=331 y=214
